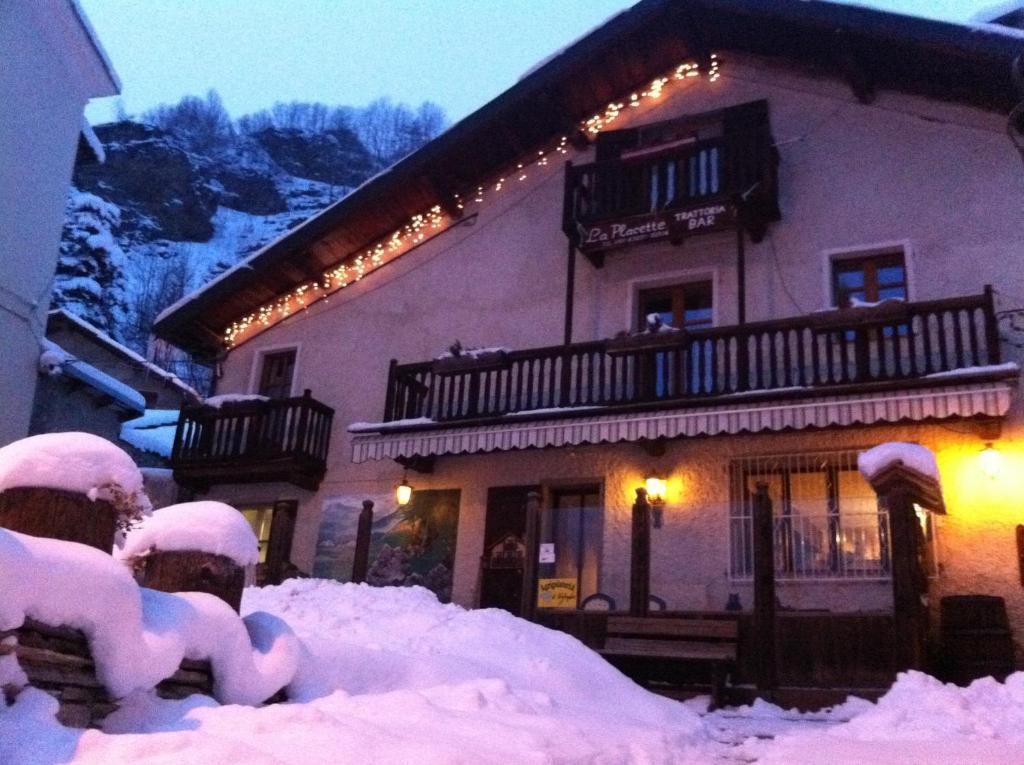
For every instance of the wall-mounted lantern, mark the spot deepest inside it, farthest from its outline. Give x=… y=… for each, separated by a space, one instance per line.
x=655 y=486
x=403 y=492
x=990 y=460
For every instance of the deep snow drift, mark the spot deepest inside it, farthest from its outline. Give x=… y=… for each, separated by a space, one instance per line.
x=410 y=680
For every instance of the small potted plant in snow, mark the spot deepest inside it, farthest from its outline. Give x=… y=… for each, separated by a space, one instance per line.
x=76 y=487
x=654 y=334
x=459 y=359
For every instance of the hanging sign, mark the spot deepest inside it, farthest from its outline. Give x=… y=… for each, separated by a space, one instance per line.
x=674 y=225
x=547 y=553
x=556 y=593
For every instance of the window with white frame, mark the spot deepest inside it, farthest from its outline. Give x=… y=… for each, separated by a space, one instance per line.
x=827 y=521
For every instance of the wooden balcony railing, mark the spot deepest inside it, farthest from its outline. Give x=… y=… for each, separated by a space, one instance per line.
x=688 y=177
x=894 y=343
x=253 y=441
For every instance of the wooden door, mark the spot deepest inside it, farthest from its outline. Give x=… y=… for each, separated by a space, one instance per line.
x=502 y=567
x=276 y=374
x=279 y=548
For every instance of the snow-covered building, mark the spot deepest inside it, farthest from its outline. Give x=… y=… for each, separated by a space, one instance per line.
x=717 y=245
x=53 y=64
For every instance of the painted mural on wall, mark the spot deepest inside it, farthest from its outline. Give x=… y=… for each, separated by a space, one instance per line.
x=411 y=545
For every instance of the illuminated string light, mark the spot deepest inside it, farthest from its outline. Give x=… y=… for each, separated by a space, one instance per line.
x=354 y=267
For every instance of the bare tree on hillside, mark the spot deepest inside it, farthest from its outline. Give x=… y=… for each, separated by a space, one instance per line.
x=202 y=123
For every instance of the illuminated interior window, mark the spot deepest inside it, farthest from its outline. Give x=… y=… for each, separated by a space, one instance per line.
x=260 y=517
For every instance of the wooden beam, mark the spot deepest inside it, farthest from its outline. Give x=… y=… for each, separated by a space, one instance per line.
x=528 y=604
x=640 y=557
x=417 y=463
x=764 y=592
x=909 y=581
x=361 y=562
x=852 y=66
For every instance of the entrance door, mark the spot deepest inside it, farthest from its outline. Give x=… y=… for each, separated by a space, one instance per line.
x=501 y=584
x=573 y=527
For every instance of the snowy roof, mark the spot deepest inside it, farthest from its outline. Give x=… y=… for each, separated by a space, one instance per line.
x=210 y=527
x=113 y=345
x=55 y=360
x=916 y=55
x=97 y=46
x=153 y=432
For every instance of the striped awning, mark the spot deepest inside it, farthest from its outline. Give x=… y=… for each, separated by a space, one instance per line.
x=393 y=440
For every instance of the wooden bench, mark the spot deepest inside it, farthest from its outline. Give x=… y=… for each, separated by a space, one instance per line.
x=711 y=642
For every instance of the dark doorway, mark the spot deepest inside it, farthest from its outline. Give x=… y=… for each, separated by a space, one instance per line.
x=505 y=551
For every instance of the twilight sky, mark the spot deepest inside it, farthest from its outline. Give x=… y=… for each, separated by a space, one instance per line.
x=458 y=53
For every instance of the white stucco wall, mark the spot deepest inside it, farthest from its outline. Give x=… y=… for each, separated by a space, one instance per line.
x=51 y=67
x=941 y=180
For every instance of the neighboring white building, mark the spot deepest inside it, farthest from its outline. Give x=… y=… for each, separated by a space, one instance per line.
x=52 y=65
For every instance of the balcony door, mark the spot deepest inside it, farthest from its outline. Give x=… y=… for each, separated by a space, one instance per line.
x=682 y=306
x=276 y=374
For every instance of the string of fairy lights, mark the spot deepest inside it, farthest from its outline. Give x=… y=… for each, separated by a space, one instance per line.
x=354 y=267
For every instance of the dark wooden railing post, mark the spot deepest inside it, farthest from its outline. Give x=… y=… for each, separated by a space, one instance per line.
x=361 y=560
x=909 y=582
x=764 y=591
x=994 y=354
x=528 y=604
x=640 y=556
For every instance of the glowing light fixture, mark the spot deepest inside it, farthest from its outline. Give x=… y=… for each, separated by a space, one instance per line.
x=990 y=460
x=655 y=486
x=403 y=492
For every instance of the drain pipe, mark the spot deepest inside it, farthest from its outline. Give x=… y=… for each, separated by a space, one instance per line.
x=1015 y=121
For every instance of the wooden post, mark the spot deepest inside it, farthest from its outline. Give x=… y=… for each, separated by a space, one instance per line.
x=764 y=591
x=361 y=562
x=741 y=269
x=570 y=290
x=532 y=539
x=59 y=514
x=908 y=582
x=640 y=558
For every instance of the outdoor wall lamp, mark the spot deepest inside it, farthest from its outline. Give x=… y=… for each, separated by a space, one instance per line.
x=990 y=460
x=403 y=492
x=655 y=486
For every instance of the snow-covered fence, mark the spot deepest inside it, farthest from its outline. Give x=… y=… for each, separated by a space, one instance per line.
x=75 y=623
x=58 y=660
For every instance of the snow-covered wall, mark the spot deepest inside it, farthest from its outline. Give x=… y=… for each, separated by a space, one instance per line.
x=51 y=68
x=939 y=180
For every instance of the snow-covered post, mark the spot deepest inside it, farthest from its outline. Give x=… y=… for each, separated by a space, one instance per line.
x=905 y=476
x=193 y=547
x=361 y=560
x=640 y=557
x=75 y=487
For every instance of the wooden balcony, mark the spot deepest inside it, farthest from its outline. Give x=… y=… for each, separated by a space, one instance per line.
x=891 y=346
x=692 y=188
x=253 y=442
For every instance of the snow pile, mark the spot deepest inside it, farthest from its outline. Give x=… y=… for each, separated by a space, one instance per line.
x=920 y=720
x=412 y=681
x=76 y=462
x=914 y=456
x=137 y=636
x=233 y=398
x=210 y=527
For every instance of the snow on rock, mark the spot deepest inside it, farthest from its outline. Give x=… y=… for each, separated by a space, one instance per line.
x=232 y=398
x=914 y=456
x=138 y=636
x=76 y=462
x=207 y=526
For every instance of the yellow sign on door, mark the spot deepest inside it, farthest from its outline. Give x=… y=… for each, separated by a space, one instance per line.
x=557 y=593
